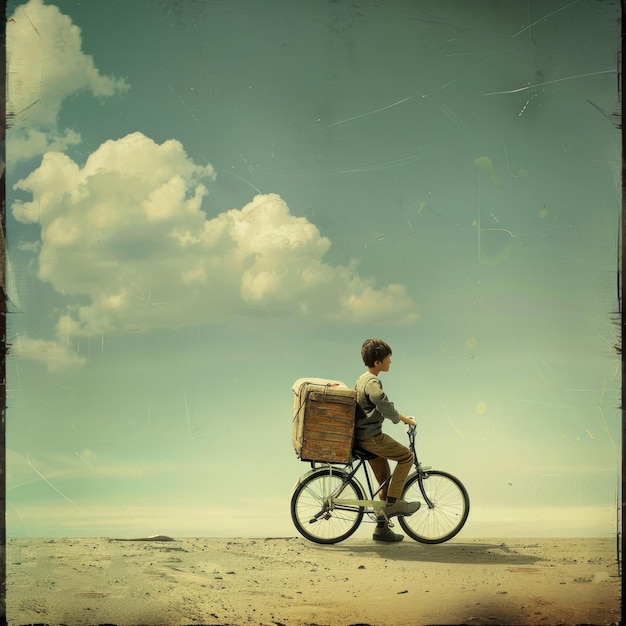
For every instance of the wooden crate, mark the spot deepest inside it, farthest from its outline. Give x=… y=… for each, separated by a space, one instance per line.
x=323 y=421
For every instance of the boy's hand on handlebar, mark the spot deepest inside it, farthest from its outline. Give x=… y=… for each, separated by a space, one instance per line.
x=409 y=420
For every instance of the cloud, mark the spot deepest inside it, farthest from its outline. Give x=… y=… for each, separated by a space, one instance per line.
x=126 y=236
x=46 y=64
x=54 y=355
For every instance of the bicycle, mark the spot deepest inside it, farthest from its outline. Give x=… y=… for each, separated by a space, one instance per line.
x=328 y=505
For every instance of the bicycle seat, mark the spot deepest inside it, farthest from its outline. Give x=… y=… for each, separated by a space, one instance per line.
x=364 y=455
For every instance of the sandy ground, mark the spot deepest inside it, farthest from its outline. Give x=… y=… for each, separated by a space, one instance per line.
x=293 y=582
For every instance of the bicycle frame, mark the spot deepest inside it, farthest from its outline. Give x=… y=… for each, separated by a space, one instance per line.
x=335 y=502
x=348 y=504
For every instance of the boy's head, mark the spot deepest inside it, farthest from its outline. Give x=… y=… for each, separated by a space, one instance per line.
x=374 y=350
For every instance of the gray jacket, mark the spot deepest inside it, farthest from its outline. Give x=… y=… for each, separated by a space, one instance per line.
x=375 y=406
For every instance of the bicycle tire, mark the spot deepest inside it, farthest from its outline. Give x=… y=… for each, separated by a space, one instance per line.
x=312 y=516
x=448 y=514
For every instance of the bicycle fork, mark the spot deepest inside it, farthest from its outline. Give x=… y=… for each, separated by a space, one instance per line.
x=422 y=474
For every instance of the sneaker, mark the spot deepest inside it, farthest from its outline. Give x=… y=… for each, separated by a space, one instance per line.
x=386 y=534
x=401 y=507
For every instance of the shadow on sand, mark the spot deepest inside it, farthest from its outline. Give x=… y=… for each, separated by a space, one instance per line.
x=471 y=553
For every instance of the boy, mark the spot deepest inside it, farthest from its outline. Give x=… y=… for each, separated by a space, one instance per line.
x=376 y=407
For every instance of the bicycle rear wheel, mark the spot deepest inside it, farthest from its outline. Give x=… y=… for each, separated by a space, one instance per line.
x=449 y=511
x=313 y=513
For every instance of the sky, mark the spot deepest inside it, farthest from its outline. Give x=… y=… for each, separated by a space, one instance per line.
x=210 y=200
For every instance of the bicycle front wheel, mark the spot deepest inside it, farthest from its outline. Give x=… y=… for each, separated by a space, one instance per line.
x=449 y=510
x=314 y=513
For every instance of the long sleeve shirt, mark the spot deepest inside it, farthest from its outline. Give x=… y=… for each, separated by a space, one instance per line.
x=375 y=406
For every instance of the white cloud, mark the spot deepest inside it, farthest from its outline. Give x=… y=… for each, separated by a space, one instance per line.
x=54 y=355
x=127 y=236
x=28 y=246
x=46 y=64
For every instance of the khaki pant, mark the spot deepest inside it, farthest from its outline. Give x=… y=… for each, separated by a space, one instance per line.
x=388 y=449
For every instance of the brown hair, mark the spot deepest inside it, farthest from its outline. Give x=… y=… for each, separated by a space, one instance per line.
x=374 y=350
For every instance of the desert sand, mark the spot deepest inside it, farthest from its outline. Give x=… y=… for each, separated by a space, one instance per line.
x=293 y=582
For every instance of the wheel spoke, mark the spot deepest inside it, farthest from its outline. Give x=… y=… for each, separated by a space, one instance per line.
x=313 y=514
x=446 y=515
